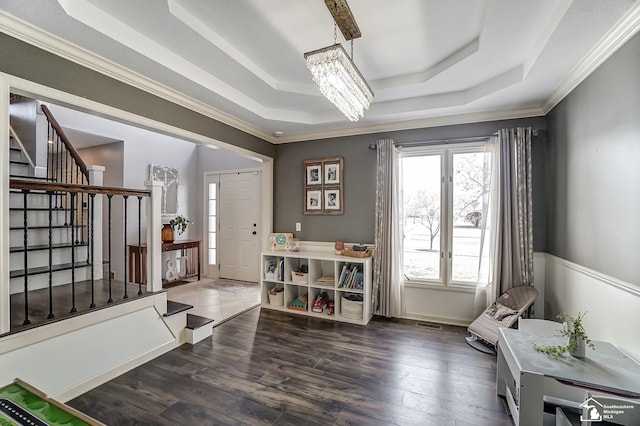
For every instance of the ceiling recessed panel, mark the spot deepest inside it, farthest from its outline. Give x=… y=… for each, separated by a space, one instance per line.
x=423 y=58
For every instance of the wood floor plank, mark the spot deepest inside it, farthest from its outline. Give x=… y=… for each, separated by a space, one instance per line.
x=275 y=368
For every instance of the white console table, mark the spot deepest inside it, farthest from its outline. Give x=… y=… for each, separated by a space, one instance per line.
x=525 y=377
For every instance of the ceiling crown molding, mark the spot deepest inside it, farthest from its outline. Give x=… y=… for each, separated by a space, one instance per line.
x=44 y=40
x=627 y=27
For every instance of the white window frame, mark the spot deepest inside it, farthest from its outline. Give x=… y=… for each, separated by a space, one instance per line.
x=446 y=153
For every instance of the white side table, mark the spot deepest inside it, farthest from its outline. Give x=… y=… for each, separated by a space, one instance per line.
x=525 y=376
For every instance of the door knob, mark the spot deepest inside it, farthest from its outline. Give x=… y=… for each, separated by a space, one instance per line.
x=254 y=232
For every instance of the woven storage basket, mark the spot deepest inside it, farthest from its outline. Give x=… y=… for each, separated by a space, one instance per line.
x=351 y=309
x=299 y=277
x=276 y=298
x=352 y=253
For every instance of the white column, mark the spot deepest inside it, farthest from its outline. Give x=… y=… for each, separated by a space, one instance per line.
x=96 y=175
x=154 y=236
x=5 y=301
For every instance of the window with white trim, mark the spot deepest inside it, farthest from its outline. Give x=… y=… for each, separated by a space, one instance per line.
x=443 y=190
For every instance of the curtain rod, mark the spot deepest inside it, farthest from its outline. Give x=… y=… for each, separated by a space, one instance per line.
x=443 y=141
x=448 y=141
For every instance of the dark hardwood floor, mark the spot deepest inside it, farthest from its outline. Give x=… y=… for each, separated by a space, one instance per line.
x=273 y=368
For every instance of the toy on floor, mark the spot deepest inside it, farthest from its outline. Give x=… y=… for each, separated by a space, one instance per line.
x=300 y=304
x=321 y=302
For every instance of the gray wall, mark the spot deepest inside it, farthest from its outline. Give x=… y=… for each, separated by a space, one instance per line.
x=111 y=156
x=26 y=61
x=357 y=223
x=594 y=164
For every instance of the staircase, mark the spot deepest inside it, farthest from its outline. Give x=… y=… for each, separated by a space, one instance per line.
x=31 y=248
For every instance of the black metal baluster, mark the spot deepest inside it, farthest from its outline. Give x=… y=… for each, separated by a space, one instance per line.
x=91 y=206
x=78 y=208
x=67 y=194
x=109 y=197
x=73 y=254
x=26 y=321
x=139 y=245
x=126 y=279
x=85 y=219
x=51 y=195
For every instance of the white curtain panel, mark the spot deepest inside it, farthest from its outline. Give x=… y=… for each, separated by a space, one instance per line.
x=489 y=224
x=507 y=240
x=387 y=258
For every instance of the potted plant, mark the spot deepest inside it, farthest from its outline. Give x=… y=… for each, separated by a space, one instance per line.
x=577 y=338
x=177 y=224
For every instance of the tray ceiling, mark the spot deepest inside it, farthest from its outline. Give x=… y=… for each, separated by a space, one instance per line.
x=428 y=62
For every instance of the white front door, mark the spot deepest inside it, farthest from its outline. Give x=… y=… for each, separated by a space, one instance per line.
x=239 y=211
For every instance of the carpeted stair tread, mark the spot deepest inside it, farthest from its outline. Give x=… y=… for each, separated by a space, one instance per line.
x=196 y=321
x=176 y=307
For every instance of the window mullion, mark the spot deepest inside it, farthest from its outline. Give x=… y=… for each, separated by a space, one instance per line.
x=444 y=235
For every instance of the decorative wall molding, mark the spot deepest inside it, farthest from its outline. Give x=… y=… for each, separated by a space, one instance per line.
x=606 y=279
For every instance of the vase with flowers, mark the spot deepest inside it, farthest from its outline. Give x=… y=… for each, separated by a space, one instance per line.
x=577 y=339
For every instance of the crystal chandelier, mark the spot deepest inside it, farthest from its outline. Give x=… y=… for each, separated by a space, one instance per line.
x=339 y=80
x=334 y=71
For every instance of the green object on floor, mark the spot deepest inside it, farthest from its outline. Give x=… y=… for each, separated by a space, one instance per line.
x=18 y=399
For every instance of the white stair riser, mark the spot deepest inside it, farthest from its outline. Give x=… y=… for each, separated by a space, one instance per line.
x=15 y=155
x=199 y=334
x=35 y=199
x=41 y=236
x=19 y=170
x=40 y=217
x=39 y=281
x=40 y=200
x=38 y=258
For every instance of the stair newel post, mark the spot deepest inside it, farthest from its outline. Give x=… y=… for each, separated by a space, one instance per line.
x=73 y=252
x=91 y=247
x=109 y=197
x=96 y=175
x=25 y=193
x=124 y=248
x=140 y=245
x=51 y=194
x=154 y=236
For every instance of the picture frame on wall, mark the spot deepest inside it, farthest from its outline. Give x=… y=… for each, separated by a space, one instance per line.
x=314 y=174
x=323 y=186
x=332 y=173
x=313 y=200
x=332 y=199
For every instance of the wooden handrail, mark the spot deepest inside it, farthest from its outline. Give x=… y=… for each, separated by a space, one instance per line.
x=73 y=187
x=65 y=140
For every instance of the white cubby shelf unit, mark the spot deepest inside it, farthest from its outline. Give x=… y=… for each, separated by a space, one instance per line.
x=276 y=270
